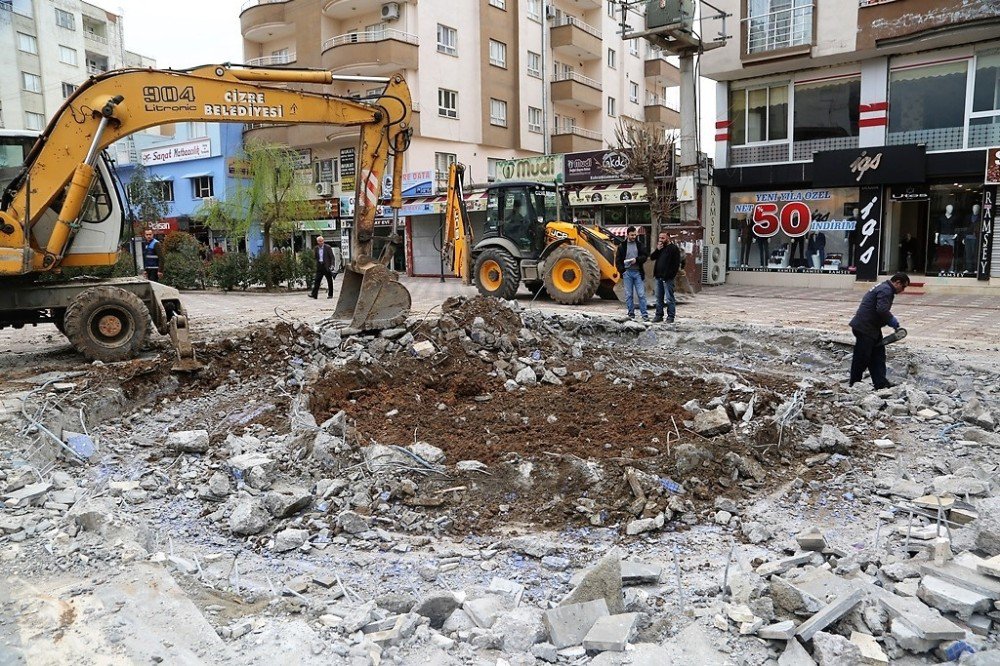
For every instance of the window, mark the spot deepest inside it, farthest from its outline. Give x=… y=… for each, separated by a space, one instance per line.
x=611 y=9
x=499 y=4
x=984 y=121
x=376 y=32
x=826 y=109
x=633 y=91
x=67 y=55
x=491 y=168
x=612 y=58
x=498 y=53
x=325 y=171
x=202 y=187
x=447 y=103
x=534 y=64
x=65 y=20
x=197 y=130
x=534 y=120
x=535 y=10
x=33 y=121
x=927 y=105
x=165 y=187
x=27 y=43
x=447 y=40
x=31 y=82
x=441 y=163
x=778 y=24
x=611 y=107
x=759 y=114
x=498 y=112
x=68 y=89
x=633 y=46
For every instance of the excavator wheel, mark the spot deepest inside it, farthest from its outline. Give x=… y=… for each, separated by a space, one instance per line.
x=572 y=275
x=497 y=273
x=107 y=324
x=58 y=318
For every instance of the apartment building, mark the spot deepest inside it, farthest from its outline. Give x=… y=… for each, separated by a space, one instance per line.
x=50 y=48
x=491 y=80
x=852 y=140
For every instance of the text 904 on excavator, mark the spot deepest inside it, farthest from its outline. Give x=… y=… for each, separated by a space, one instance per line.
x=523 y=240
x=61 y=207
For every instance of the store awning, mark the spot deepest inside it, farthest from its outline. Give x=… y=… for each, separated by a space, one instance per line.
x=200 y=174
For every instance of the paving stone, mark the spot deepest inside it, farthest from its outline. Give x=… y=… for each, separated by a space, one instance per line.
x=831 y=613
x=568 y=625
x=611 y=633
x=639 y=573
x=871 y=651
x=945 y=596
x=795 y=655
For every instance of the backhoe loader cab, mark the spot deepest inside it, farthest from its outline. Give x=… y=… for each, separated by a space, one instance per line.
x=519 y=212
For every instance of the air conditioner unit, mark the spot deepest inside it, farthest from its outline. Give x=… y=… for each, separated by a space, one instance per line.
x=324 y=189
x=390 y=11
x=713 y=265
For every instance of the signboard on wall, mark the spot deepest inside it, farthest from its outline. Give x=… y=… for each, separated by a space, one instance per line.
x=870 y=233
x=542 y=169
x=986 y=233
x=795 y=212
x=597 y=166
x=992 y=166
x=348 y=169
x=178 y=152
x=415 y=184
x=302 y=158
x=887 y=165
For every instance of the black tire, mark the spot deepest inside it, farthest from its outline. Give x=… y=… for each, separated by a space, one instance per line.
x=497 y=273
x=572 y=275
x=59 y=318
x=107 y=324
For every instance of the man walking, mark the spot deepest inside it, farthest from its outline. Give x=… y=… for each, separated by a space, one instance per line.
x=151 y=256
x=874 y=313
x=629 y=258
x=324 y=268
x=666 y=262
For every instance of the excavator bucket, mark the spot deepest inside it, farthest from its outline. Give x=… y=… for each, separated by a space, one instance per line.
x=186 y=361
x=372 y=297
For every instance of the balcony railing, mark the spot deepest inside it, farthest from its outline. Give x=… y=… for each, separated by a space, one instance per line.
x=657 y=100
x=267 y=61
x=94 y=37
x=579 y=78
x=579 y=131
x=252 y=3
x=369 y=36
x=95 y=71
x=780 y=29
x=572 y=20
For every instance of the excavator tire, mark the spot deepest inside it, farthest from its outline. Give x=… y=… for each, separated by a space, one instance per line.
x=58 y=317
x=572 y=275
x=497 y=273
x=107 y=324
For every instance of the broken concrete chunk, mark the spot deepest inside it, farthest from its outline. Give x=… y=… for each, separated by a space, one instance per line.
x=636 y=527
x=835 y=650
x=831 y=613
x=785 y=564
x=944 y=596
x=289 y=539
x=960 y=486
x=781 y=631
x=963 y=573
x=907 y=489
x=188 y=441
x=351 y=522
x=485 y=610
x=919 y=619
x=424 y=349
x=871 y=651
x=812 y=539
x=795 y=655
x=285 y=501
x=990 y=567
x=29 y=494
x=611 y=633
x=638 y=573
x=710 y=423
x=988 y=526
x=249 y=516
x=908 y=639
x=602 y=581
x=568 y=625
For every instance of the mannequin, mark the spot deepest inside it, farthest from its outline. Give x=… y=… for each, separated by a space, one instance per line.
x=853 y=236
x=946 y=235
x=745 y=238
x=971 y=238
x=762 y=244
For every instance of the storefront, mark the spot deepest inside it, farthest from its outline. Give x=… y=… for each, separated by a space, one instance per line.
x=861 y=213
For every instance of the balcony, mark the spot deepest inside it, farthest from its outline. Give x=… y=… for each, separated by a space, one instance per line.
x=576 y=90
x=782 y=32
x=657 y=111
x=262 y=21
x=272 y=60
x=346 y=9
x=96 y=38
x=300 y=136
x=375 y=52
x=573 y=38
x=574 y=139
x=662 y=73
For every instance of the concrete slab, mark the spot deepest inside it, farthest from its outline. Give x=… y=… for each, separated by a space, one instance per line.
x=640 y=573
x=945 y=596
x=990 y=567
x=920 y=619
x=785 y=564
x=871 y=651
x=568 y=625
x=611 y=633
x=780 y=631
x=795 y=655
x=833 y=611
x=963 y=573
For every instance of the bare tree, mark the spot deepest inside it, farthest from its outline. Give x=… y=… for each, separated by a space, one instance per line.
x=651 y=149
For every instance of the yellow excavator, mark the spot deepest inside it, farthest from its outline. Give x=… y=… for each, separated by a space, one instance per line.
x=524 y=241
x=61 y=207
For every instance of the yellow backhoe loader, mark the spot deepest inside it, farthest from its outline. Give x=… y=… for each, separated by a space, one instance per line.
x=62 y=208
x=524 y=241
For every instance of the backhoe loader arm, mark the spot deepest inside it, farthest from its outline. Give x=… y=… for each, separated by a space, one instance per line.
x=458 y=239
x=112 y=106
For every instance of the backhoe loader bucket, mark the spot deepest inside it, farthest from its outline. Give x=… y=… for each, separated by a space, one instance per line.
x=372 y=297
x=186 y=361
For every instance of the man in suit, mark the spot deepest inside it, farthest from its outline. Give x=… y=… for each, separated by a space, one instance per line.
x=324 y=268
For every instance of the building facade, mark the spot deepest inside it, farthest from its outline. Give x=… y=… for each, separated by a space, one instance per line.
x=852 y=138
x=50 y=48
x=491 y=80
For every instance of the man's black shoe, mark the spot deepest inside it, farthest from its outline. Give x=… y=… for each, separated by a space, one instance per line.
x=657 y=319
x=330 y=296
x=885 y=386
x=312 y=295
x=670 y=320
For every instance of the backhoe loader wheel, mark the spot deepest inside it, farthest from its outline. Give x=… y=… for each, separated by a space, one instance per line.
x=497 y=274
x=107 y=324
x=58 y=318
x=572 y=275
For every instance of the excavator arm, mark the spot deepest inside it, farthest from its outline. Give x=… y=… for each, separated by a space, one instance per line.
x=458 y=240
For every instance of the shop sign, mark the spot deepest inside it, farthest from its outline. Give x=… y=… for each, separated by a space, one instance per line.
x=911 y=193
x=873 y=3
x=165 y=226
x=415 y=184
x=886 y=165
x=869 y=236
x=302 y=159
x=992 y=167
x=541 y=169
x=789 y=212
x=986 y=233
x=179 y=152
x=596 y=166
x=587 y=196
x=238 y=168
x=348 y=169
x=345 y=243
x=346 y=206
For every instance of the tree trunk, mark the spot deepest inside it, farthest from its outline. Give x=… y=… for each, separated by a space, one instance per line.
x=268 y=281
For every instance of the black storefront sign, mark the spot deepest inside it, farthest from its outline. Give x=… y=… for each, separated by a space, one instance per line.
x=986 y=233
x=597 y=166
x=885 y=165
x=869 y=232
x=911 y=193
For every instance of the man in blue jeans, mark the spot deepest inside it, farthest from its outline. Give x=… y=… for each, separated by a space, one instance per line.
x=666 y=260
x=874 y=312
x=629 y=258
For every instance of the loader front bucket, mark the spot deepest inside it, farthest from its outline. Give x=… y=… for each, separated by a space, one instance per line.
x=372 y=297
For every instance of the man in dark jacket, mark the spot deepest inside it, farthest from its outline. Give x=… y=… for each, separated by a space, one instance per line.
x=874 y=313
x=324 y=267
x=151 y=255
x=666 y=262
x=629 y=258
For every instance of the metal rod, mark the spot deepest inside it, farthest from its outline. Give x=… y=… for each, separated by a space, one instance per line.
x=361 y=79
x=95 y=148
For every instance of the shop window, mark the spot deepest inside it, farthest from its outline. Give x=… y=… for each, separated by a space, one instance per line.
x=927 y=105
x=827 y=110
x=953 y=229
x=759 y=114
x=984 y=121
